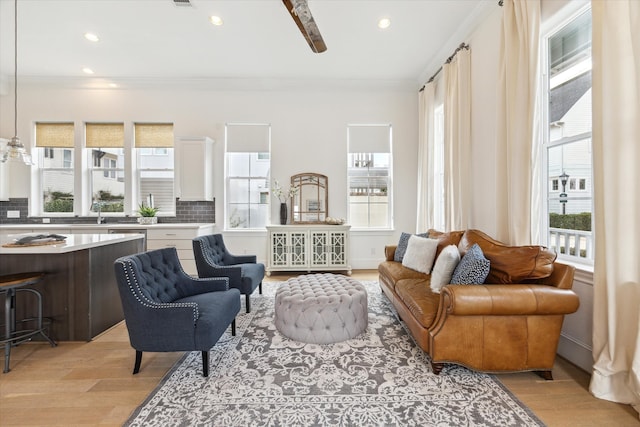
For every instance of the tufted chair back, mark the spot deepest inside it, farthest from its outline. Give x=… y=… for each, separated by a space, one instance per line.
x=213 y=249
x=158 y=273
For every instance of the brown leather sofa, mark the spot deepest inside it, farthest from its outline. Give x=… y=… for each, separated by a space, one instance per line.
x=510 y=323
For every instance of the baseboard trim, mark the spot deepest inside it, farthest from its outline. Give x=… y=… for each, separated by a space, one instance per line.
x=576 y=352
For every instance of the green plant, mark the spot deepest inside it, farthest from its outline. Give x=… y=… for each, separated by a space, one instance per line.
x=147 y=210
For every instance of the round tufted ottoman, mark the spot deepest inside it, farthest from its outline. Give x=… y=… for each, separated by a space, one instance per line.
x=321 y=308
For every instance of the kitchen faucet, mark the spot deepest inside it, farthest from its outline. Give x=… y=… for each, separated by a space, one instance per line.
x=100 y=219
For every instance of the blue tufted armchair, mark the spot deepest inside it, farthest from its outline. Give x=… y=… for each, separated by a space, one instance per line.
x=165 y=309
x=214 y=260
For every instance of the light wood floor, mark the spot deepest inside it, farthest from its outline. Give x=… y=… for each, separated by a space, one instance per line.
x=81 y=384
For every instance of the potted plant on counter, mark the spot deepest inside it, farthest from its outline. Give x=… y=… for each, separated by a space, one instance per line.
x=147 y=214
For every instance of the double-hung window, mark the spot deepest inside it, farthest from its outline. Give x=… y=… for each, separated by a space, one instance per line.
x=105 y=147
x=369 y=175
x=55 y=143
x=155 y=160
x=247 y=153
x=567 y=139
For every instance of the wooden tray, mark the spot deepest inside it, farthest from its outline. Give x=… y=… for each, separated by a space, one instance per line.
x=24 y=245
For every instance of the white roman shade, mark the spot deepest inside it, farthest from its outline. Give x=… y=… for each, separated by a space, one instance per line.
x=54 y=135
x=149 y=135
x=104 y=135
x=369 y=138
x=248 y=138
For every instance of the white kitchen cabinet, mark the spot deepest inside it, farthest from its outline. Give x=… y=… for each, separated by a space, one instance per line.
x=180 y=238
x=195 y=169
x=308 y=248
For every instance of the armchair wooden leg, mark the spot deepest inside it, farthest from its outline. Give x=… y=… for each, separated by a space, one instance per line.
x=260 y=288
x=248 y=303
x=205 y=363
x=233 y=327
x=136 y=367
x=546 y=375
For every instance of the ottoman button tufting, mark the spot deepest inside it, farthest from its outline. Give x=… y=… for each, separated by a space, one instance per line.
x=292 y=301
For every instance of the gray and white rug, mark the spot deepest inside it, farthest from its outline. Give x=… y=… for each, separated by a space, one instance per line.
x=380 y=378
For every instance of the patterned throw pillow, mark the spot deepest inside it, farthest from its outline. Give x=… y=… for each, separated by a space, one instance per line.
x=401 y=249
x=420 y=254
x=472 y=269
x=446 y=262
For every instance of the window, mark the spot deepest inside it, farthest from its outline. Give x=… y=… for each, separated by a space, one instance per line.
x=154 y=146
x=56 y=177
x=567 y=143
x=369 y=175
x=105 y=144
x=247 y=153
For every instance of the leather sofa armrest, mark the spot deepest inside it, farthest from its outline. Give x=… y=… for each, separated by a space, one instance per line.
x=389 y=252
x=520 y=299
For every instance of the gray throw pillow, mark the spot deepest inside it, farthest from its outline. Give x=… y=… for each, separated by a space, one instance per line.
x=472 y=269
x=401 y=249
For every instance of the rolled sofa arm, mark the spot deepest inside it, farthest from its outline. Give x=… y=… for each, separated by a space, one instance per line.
x=482 y=300
x=389 y=252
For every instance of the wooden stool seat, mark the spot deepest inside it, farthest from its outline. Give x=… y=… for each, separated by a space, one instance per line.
x=11 y=284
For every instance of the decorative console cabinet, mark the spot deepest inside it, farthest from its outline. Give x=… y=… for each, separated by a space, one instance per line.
x=308 y=248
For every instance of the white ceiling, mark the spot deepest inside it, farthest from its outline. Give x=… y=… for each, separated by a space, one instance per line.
x=157 y=40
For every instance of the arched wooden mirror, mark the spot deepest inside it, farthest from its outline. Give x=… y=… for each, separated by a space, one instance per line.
x=309 y=205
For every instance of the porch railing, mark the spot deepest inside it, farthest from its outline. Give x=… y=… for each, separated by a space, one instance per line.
x=571 y=243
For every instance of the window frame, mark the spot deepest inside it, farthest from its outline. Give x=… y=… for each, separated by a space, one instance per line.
x=263 y=157
x=389 y=178
x=549 y=29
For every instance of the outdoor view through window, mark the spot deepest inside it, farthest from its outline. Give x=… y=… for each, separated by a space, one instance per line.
x=568 y=141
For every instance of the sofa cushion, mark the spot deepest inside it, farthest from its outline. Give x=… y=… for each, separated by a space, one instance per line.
x=395 y=271
x=421 y=252
x=419 y=299
x=445 y=239
x=401 y=248
x=444 y=267
x=510 y=264
x=472 y=269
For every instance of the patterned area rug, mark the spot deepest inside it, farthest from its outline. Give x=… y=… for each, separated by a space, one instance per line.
x=380 y=378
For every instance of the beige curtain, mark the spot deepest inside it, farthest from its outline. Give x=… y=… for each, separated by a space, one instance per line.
x=517 y=136
x=457 y=141
x=616 y=166
x=426 y=196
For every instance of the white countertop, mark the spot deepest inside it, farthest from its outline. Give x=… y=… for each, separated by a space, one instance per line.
x=108 y=226
x=73 y=242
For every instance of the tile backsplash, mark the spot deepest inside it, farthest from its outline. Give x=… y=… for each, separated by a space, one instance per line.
x=185 y=212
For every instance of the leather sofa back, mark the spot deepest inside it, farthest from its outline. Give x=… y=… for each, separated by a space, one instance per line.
x=510 y=264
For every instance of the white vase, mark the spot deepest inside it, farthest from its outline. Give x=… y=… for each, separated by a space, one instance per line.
x=146 y=220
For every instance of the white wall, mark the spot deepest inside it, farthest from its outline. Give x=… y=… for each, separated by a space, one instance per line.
x=309 y=130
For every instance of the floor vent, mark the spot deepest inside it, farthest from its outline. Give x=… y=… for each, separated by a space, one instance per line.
x=182 y=2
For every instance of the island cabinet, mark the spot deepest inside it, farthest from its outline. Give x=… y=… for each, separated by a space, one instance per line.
x=79 y=290
x=308 y=247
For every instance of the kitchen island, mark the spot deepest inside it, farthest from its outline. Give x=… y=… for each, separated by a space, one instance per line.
x=79 y=290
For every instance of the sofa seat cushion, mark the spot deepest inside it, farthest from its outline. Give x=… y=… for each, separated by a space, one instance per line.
x=510 y=264
x=395 y=271
x=421 y=301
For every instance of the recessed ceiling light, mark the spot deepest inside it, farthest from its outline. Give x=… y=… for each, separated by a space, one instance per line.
x=114 y=85
x=216 y=20
x=384 y=23
x=87 y=70
x=91 y=37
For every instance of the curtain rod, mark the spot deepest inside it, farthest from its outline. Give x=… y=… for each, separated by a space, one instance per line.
x=449 y=59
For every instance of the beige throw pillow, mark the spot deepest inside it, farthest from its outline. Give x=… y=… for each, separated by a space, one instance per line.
x=420 y=254
x=443 y=269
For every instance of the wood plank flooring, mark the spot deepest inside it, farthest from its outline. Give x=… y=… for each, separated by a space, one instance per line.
x=90 y=384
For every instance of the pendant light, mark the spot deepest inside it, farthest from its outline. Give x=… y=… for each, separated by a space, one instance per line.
x=15 y=151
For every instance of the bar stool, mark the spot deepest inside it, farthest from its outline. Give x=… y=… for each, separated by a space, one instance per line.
x=11 y=284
